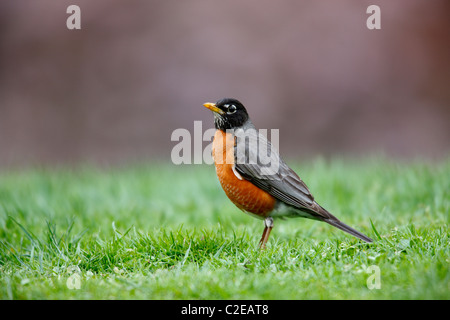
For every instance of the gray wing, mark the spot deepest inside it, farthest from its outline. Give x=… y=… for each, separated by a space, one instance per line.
x=258 y=161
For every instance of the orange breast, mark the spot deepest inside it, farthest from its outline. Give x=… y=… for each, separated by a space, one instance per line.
x=242 y=193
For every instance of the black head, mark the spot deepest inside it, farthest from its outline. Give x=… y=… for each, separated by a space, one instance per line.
x=228 y=113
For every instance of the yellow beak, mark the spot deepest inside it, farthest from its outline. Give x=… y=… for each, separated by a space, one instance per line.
x=212 y=107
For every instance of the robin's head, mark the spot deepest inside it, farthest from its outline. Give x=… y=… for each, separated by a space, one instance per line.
x=228 y=113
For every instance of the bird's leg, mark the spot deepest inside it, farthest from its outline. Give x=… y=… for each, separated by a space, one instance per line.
x=268 y=225
x=262 y=238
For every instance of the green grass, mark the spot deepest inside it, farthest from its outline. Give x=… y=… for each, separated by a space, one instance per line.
x=166 y=232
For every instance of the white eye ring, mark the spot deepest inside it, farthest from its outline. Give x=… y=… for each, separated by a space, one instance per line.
x=232 y=109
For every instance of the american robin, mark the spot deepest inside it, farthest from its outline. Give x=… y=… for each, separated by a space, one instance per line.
x=255 y=178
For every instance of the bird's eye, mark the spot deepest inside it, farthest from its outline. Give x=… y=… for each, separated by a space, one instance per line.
x=231 y=109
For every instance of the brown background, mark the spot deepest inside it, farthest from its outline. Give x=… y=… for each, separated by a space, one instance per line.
x=116 y=89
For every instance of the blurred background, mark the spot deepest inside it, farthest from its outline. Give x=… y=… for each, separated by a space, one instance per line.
x=114 y=91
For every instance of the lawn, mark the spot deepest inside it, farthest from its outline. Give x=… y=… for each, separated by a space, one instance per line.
x=168 y=232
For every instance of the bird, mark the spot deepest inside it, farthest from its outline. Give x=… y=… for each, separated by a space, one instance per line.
x=259 y=182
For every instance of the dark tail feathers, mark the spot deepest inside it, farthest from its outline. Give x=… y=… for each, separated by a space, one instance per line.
x=340 y=225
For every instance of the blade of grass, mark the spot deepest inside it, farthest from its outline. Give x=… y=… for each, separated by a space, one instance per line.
x=375 y=230
x=28 y=234
x=186 y=255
